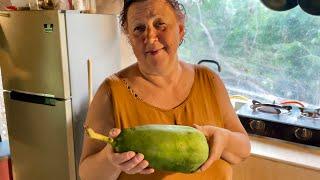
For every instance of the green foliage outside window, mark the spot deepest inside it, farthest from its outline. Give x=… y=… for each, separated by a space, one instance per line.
x=264 y=54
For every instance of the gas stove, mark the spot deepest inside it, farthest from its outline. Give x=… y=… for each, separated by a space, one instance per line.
x=290 y=123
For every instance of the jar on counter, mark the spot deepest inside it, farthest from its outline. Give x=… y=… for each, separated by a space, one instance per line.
x=109 y=6
x=61 y=4
x=88 y=6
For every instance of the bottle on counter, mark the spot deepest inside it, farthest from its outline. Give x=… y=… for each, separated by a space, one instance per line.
x=61 y=4
x=88 y=6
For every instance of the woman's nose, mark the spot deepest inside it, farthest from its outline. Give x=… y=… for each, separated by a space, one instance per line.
x=151 y=35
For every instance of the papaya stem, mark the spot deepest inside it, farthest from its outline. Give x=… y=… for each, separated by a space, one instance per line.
x=92 y=134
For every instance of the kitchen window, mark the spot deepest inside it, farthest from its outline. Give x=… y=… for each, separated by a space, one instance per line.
x=264 y=54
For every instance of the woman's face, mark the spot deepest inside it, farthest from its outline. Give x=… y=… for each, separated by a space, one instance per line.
x=154 y=32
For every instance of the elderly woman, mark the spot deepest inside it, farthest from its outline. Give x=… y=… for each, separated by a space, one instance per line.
x=161 y=89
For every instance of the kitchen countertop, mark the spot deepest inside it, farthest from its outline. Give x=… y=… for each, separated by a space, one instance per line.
x=286 y=152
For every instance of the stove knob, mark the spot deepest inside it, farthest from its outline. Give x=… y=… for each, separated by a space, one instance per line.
x=257 y=125
x=303 y=134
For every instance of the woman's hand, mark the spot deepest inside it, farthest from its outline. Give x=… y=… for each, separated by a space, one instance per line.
x=217 y=139
x=128 y=162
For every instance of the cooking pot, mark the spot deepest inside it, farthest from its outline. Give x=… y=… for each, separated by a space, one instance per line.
x=310 y=6
x=280 y=5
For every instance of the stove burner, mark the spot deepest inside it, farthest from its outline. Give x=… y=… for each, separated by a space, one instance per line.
x=310 y=113
x=257 y=119
x=270 y=108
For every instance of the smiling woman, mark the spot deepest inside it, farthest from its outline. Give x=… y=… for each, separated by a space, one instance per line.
x=154 y=34
x=160 y=88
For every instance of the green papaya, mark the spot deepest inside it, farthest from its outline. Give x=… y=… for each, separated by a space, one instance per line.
x=172 y=148
x=166 y=147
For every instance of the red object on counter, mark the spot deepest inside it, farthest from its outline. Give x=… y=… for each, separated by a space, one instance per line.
x=5 y=161
x=5 y=169
x=11 y=8
x=70 y=4
x=292 y=102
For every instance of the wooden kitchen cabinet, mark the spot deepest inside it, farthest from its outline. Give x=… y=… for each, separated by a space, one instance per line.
x=258 y=168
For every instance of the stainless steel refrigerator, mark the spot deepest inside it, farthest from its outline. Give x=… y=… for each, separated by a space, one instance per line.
x=43 y=58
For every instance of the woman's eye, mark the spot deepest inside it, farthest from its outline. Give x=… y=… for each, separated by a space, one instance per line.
x=139 y=29
x=160 y=24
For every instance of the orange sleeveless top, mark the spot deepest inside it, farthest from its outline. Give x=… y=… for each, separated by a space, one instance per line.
x=200 y=107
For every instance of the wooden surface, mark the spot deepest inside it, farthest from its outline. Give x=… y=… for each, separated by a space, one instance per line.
x=273 y=159
x=286 y=152
x=257 y=168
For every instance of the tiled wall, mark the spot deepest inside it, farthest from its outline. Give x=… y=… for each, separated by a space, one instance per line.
x=3 y=122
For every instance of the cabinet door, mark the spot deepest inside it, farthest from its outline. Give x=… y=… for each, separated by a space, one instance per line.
x=262 y=169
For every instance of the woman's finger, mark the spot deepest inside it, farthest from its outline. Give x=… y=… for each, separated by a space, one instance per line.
x=119 y=158
x=133 y=162
x=204 y=129
x=213 y=155
x=114 y=132
x=147 y=171
x=141 y=166
x=200 y=128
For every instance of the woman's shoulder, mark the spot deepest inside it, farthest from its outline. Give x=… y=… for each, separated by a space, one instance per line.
x=115 y=80
x=206 y=71
x=127 y=72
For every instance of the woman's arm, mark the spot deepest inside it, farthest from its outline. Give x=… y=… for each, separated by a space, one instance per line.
x=94 y=163
x=230 y=143
x=98 y=160
x=238 y=144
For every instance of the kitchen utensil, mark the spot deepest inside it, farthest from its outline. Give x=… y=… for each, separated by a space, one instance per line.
x=89 y=64
x=310 y=6
x=280 y=5
x=33 y=4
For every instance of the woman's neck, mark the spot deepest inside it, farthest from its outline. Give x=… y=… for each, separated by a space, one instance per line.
x=165 y=78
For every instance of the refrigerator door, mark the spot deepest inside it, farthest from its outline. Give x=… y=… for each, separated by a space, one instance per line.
x=95 y=37
x=41 y=139
x=33 y=52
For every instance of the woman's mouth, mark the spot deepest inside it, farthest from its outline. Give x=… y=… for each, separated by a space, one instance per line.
x=154 y=52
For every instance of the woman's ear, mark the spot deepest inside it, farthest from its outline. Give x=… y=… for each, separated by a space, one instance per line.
x=181 y=31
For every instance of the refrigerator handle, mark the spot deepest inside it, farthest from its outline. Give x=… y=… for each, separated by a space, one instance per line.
x=33 y=98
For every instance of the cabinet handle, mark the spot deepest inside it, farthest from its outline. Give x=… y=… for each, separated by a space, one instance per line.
x=4 y=14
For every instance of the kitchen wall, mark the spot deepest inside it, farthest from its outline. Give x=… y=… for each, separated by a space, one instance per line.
x=127 y=55
x=19 y=2
x=3 y=123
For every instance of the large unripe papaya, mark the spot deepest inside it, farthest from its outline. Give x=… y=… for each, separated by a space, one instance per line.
x=166 y=147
